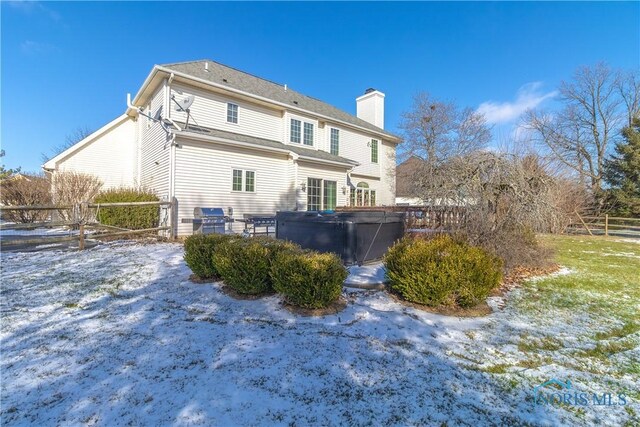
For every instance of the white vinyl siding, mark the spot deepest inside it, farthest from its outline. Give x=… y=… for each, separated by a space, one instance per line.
x=357 y=146
x=154 y=151
x=204 y=178
x=209 y=109
x=111 y=156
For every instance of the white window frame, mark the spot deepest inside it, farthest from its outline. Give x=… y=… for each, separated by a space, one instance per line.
x=237 y=115
x=299 y=141
x=305 y=127
x=243 y=180
x=374 y=143
x=322 y=189
x=335 y=131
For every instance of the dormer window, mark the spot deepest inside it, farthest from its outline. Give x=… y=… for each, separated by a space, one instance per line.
x=232 y=113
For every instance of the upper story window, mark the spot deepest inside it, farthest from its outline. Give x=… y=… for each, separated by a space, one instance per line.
x=374 y=151
x=308 y=133
x=335 y=141
x=295 y=131
x=243 y=180
x=232 y=113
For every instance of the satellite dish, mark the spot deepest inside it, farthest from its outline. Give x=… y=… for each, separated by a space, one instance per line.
x=183 y=102
x=158 y=115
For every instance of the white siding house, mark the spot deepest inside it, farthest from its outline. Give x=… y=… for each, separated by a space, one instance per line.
x=245 y=143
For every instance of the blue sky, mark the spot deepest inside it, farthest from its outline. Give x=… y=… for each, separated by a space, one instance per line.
x=69 y=65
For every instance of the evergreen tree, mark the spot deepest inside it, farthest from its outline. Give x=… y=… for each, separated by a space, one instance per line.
x=6 y=173
x=622 y=173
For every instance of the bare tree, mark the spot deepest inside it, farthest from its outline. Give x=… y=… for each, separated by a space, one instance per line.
x=437 y=131
x=596 y=103
x=77 y=135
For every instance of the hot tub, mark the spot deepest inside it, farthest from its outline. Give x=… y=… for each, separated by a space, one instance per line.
x=356 y=236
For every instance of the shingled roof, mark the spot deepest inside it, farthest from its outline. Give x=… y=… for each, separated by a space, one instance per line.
x=262 y=142
x=239 y=80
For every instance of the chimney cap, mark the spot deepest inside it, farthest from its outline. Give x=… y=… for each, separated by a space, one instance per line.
x=369 y=90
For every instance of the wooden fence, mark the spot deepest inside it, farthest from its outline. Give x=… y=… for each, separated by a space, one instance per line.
x=80 y=221
x=605 y=225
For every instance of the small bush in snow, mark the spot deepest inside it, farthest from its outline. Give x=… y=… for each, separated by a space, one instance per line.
x=245 y=264
x=441 y=271
x=199 y=252
x=308 y=279
x=130 y=217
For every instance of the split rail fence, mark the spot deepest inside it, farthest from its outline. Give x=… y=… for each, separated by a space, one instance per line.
x=604 y=225
x=24 y=227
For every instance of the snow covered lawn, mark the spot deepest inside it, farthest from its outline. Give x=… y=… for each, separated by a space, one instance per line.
x=117 y=335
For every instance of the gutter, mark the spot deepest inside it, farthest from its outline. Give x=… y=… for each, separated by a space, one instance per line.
x=158 y=68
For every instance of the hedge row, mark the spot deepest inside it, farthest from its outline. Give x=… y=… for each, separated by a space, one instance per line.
x=129 y=217
x=261 y=265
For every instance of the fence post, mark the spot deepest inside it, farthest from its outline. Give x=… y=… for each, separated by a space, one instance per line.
x=81 y=236
x=583 y=223
x=606 y=224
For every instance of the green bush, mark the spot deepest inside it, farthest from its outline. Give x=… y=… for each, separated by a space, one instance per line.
x=244 y=264
x=129 y=217
x=308 y=279
x=199 y=252
x=441 y=271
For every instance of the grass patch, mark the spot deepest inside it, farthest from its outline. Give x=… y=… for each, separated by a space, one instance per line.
x=627 y=329
x=607 y=349
x=600 y=285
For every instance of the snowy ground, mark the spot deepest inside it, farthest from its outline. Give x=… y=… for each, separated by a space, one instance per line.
x=117 y=335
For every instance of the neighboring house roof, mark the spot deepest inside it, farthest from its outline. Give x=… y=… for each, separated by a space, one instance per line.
x=304 y=153
x=405 y=176
x=235 y=79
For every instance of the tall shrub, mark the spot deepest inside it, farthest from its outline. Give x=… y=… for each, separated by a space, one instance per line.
x=129 y=217
x=245 y=264
x=199 y=251
x=25 y=189
x=308 y=279
x=442 y=271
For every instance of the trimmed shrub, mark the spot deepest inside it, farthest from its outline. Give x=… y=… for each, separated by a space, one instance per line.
x=199 y=252
x=129 y=217
x=244 y=264
x=308 y=279
x=442 y=271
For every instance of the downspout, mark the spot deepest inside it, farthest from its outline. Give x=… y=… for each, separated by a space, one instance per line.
x=294 y=159
x=172 y=156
